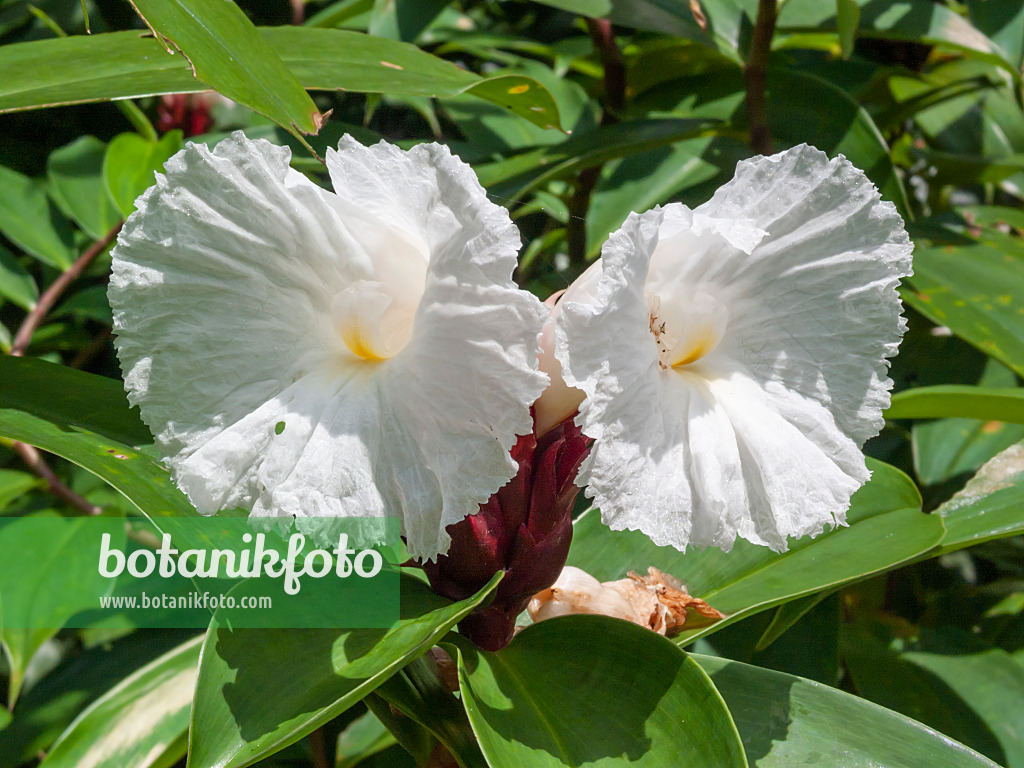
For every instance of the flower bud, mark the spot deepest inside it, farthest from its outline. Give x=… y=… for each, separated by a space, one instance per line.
x=524 y=530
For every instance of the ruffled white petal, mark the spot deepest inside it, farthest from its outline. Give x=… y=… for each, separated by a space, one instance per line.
x=758 y=437
x=233 y=288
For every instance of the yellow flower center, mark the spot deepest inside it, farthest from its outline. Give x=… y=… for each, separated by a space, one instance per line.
x=372 y=322
x=686 y=330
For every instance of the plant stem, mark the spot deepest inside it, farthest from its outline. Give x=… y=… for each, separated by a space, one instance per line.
x=34 y=461
x=29 y=454
x=34 y=318
x=603 y=35
x=613 y=101
x=318 y=747
x=137 y=118
x=754 y=74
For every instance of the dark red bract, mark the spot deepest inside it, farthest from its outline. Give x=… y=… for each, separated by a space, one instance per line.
x=524 y=530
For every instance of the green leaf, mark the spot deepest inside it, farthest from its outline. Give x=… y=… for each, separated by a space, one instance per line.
x=786 y=616
x=918 y=21
x=28 y=219
x=403 y=21
x=946 y=679
x=529 y=170
x=642 y=181
x=86 y=419
x=227 y=53
x=728 y=21
x=946 y=448
x=958 y=401
x=584 y=690
x=16 y=284
x=44 y=583
x=809 y=648
x=120 y=65
x=1004 y=25
x=786 y=721
x=14 y=483
x=77 y=186
x=417 y=693
x=708 y=87
x=51 y=705
x=977 y=290
x=989 y=505
x=847 y=19
x=89 y=304
x=130 y=164
x=886 y=529
x=314 y=675
x=837 y=125
x=968 y=170
x=136 y=721
x=994 y=215
x=489 y=129
x=364 y=737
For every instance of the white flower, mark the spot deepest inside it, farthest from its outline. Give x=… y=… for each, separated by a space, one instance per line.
x=309 y=354
x=733 y=357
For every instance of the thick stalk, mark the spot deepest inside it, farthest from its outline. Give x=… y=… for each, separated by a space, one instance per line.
x=614 y=99
x=755 y=75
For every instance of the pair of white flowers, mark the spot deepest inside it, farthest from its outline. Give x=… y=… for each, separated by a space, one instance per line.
x=365 y=352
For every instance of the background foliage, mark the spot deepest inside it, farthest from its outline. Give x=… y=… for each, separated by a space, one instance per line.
x=573 y=113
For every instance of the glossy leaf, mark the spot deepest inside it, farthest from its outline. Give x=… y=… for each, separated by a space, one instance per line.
x=120 y=65
x=16 y=284
x=946 y=448
x=44 y=583
x=53 y=703
x=130 y=164
x=837 y=125
x=30 y=220
x=787 y=721
x=566 y=692
x=786 y=616
x=261 y=690
x=14 y=483
x=137 y=721
x=1003 y=23
x=639 y=182
x=362 y=738
x=710 y=88
x=417 y=693
x=886 y=528
x=917 y=20
x=847 y=19
x=951 y=400
x=529 y=170
x=809 y=647
x=989 y=506
x=77 y=186
x=948 y=680
x=226 y=52
x=86 y=419
x=977 y=290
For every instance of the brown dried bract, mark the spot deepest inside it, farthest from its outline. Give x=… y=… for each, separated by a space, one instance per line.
x=681 y=607
x=657 y=601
